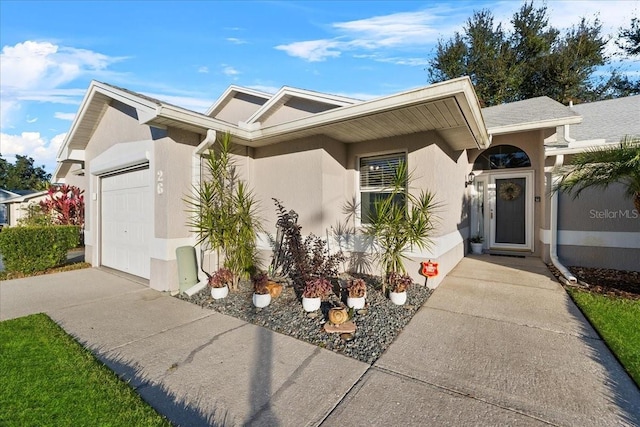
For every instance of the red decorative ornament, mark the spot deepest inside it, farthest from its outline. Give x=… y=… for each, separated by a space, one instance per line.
x=429 y=269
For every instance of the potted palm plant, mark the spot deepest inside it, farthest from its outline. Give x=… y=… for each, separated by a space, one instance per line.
x=314 y=291
x=400 y=221
x=356 y=293
x=219 y=283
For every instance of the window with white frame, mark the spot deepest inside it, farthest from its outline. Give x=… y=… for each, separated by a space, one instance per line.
x=376 y=182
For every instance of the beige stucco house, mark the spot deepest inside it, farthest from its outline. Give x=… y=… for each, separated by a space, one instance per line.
x=138 y=157
x=14 y=205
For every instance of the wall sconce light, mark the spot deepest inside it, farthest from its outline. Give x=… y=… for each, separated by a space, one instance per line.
x=469 y=179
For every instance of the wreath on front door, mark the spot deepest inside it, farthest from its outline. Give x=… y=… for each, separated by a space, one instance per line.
x=510 y=191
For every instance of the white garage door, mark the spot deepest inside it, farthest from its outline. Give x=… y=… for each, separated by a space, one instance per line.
x=127 y=222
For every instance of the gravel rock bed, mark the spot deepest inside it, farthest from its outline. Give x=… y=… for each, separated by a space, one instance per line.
x=376 y=326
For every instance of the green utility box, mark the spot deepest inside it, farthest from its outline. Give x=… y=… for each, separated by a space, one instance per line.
x=187 y=267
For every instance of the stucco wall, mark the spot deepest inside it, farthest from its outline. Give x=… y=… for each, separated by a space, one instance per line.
x=317 y=177
x=306 y=176
x=173 y=165
x=599 y=229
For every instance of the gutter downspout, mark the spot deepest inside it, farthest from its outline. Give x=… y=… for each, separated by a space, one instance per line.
x=553 y=241
x=196 y=167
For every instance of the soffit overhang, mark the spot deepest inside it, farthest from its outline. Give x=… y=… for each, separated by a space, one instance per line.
x=449 y=108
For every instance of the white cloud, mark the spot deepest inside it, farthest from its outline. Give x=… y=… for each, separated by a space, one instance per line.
x=203 y=69
x=397 y=30
x=36 y=71
x=391 y=30
x=235 y=40
x=229 y=70
x=34 y=145
x=33 y=120
x=33 y=64
x=314 y=50
x=65 y=116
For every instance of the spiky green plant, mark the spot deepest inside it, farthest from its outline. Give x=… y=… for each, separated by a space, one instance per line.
x=601 y=167
x=401 y=221
x=223 y=212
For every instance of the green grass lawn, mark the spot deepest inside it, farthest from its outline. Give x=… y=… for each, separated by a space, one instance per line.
x=48 y=379
x=618 y=322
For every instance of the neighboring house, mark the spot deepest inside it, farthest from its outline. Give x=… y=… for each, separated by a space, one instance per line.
x=137 y=158
x=4 y=196
x=16 y=206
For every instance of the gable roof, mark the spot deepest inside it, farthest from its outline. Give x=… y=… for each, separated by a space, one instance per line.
x=149 y=110
x=286 y=94
x=529 y=114
x=450 y=108
x=609 y=120
x=8 y=194
x=24 y=196
x=233 y=91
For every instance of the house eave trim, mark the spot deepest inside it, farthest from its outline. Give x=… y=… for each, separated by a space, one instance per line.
x=542 y=124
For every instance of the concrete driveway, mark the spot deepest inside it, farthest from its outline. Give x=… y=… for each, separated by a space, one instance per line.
x=498 y=343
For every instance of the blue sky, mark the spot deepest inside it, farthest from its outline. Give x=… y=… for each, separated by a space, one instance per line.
x=187 y=53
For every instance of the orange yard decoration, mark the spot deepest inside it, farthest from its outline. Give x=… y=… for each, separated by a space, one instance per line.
x=429 y=269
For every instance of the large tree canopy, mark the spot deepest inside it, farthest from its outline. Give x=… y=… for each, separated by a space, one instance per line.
x=23 y=175
x=533 y=59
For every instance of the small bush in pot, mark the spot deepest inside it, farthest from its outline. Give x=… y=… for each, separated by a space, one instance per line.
x=219 y=283
x=221 y=278
x=356 y=291
x=399 y=282
x=356 y=288
x=476 y=239
x=314 y=291
x=261 y=295
x=317 y=288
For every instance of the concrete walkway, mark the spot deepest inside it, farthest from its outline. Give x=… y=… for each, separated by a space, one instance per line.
x=498 y=343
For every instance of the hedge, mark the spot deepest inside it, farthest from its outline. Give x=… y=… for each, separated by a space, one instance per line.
x=31 y=249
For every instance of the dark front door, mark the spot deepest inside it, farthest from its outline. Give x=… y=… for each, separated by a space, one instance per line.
x=510 y=211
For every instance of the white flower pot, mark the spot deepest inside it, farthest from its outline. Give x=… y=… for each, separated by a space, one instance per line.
x=219 y=293
x=476 y=248
x=261 y=300
x=310 y=304
x=398 y=298
x=357 y=303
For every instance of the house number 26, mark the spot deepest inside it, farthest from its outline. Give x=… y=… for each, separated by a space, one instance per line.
x=160 y=182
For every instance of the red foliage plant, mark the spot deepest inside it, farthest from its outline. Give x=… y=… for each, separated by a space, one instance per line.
x=66 y=204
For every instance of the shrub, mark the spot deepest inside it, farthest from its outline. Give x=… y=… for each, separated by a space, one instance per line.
x=302 y=259
x=399 y=282
x=31 y=249
x=65 y=203
x=260 y=282
x=223 y=212
x=221 y=278
x=317 y=288
x=357 y=288
x=34 y=215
